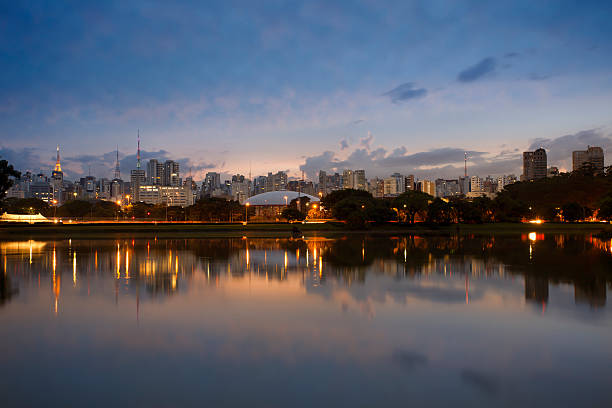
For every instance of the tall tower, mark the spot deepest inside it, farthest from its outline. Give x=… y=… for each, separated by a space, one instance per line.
x=138 y=152
x=137 y=177
x=57 y=181
x=465 y=166
x=58 y=167
x=117 y=167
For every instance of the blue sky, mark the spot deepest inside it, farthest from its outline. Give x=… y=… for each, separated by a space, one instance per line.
x=224 y=86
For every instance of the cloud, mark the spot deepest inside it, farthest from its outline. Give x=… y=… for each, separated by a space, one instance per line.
x=405 y=92
x=475 y=72
x=559 y=150
x=358 y=121
x=445 y=162
x=101 y=166
x=367 y=141
x=512 y=55
x=344 y=144
x=25 y=159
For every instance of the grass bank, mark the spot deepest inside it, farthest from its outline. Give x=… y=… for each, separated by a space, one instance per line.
x=191 y=230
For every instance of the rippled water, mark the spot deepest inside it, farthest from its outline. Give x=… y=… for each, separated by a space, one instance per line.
x=355 y=321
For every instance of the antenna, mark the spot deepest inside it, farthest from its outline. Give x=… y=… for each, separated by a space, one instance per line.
x=465 y=165
x=138 y=153
x=117 y=168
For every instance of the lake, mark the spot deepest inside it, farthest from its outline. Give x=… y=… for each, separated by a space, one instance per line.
x=512 y=320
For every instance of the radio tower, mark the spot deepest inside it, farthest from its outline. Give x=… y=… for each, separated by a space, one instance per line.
x=465 y=165
x=117 y=168
x=138 y=152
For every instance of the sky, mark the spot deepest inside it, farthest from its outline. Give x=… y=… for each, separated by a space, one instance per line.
x=243 y=86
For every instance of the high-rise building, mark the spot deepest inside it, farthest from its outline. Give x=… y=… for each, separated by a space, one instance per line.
x=593 y=155
x=348 y=179
x=240 y=188
x=354 y=179
x=322 y=182
x=534 y=164
x=276 y=182
x=409 y=182
x=155 y=172
x=400 y=182
x=211 y=182
x=390 y=187
x=447 y=188
x=137 y=176
x=427 y=186
x=475 y=184
x=359 y=180
x=171 y=175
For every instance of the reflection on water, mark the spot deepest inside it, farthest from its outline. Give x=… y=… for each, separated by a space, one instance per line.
x=457 y=312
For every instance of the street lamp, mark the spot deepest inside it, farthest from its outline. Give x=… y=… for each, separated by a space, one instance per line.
x=54 y=209
x=285 y=200
x=246 y=212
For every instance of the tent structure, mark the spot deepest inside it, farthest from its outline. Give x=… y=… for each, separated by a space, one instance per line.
x=30 y=219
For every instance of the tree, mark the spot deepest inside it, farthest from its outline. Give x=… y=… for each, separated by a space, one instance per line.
x=304 y=203
x=26 y=206
x=7 y=173
x=293 y=214
x=439 y=212
x=467 y=212
x=105 y=209
x=75 y=208
x=412 y=203
x=344 y=208
x=605 y=209
x=572 y=212
x=215 y=209
x=336 y=196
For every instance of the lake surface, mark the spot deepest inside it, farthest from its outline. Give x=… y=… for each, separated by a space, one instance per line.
x=519 y=320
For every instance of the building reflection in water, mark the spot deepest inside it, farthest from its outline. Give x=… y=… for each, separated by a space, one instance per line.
x=165 y=267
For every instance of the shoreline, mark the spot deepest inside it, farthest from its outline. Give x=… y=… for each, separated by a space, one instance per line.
x=214 y=230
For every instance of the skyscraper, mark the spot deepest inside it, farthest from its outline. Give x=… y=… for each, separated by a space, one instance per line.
x=171 y=174
x=155 y=172
x=534 y=164
x=593 y=155
x=322 y=182
x=359 y=182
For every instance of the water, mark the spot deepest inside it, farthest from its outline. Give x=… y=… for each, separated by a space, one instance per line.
x=510 y=321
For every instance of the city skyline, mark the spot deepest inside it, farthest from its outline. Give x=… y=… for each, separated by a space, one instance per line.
x=229 y=87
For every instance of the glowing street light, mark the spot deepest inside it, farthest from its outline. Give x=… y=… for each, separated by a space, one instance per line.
x=246 y=212
x=285 y=200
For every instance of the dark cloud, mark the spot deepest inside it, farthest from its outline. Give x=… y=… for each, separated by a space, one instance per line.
x=25 y=159
x=344 y=144
x=483 y=382
x=358 y=121
x=101 y=166
x=512 y=55
x=405 y=92
x=475 y=72
x=443 y=162
x=559 y=150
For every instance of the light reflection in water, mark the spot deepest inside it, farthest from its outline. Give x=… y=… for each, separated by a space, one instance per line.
x=408 y=307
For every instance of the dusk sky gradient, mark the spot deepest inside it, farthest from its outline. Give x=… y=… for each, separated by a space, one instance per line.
x=384 y=86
